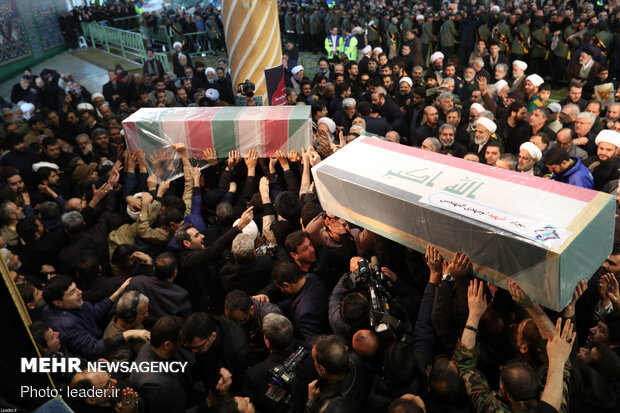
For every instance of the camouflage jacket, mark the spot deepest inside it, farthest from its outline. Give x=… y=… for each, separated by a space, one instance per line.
x=486 y=400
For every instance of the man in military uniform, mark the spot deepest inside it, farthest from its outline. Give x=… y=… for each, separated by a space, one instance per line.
x=521 y=40
x=406 y=25
x=303 y=29
x=562 y=46
x=541 y=41
x=333 y=20
x=392 y=38
x=447 y=37
x=501 y=33
x=373 y=36
x=317 y=31
x=603 y=39
x=427 y=37
x=289 y=27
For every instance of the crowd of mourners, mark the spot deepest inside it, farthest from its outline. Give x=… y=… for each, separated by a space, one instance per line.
x=234 y=267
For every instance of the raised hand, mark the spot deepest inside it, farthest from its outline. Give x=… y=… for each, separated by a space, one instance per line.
x=210 y=156
x=293 y=156
x=476 y=300
x=433 y=259
x=518 y=295
x=251 y=160
x=233 y=159
x=459 y=265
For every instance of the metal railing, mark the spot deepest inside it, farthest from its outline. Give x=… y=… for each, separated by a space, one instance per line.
x=129 y=23
x=129 y=44
x=197 y=43
x=159 y=37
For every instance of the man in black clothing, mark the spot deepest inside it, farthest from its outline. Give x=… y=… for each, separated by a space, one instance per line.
x=390 y=110
x=344 y=379
x=278 y=337
x=164 y=392
x=195 y=260
x=510 y=124
x=428 y=129
x=604 y=165
x=217 y=343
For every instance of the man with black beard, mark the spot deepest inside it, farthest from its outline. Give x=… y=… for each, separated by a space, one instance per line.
x=323 y=70
x=404 y=97
x=604 y=165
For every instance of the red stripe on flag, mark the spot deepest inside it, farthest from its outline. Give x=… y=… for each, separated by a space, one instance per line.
x=276 y=128
x=547 y=185
x=131 y=136
x=200 y=135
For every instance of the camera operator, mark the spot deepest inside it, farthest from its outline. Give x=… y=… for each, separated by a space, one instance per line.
x=278 y=337
x=349 y=310
x=344 y=381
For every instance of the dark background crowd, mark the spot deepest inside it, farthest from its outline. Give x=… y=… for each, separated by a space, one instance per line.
x=235 y=267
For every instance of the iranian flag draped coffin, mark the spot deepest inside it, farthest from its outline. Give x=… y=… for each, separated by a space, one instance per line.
x=543 y=234
x=267 y=129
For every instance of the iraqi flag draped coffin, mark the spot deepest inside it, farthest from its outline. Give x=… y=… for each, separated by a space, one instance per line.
x=543 y=234
x=266 y=129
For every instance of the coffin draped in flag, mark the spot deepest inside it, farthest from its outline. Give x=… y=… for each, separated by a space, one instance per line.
x=266 y=129
x=542 y=234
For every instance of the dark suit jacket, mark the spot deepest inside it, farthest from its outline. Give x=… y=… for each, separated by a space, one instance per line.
x=158 y=71
x=588 y=86
x=491 y=67
x=308 y=309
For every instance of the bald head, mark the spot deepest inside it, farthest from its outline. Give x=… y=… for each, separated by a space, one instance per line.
x=365 y=344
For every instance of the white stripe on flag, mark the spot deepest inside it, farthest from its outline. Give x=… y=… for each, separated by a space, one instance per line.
x=173 y=125
x=250 y=134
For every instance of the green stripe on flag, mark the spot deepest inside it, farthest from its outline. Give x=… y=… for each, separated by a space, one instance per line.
x=223 y=127
x=299 y=128
x=151 y=135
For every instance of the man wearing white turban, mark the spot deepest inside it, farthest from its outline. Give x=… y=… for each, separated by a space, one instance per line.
x=604 y=165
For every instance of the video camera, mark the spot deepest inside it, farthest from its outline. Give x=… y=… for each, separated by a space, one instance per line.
x=282 y=378
x=246 y=88
x=373 y=283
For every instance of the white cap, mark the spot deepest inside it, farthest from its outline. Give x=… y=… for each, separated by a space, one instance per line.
x=330 y=124
x=26 y=106
x=535 y=79
x=212 y=94
x=477 y=107
x=251 y=229
x=174 y=45
x=297 y=69
x=520 y=64
x=83 y=106
x=535 y=153
x=608 y=136
x=495 y=9
x=419 y=17
x=500 y=84
x=406 y=79
x=209 y=69
x=367 y=49
x=96 y=95
x=436 y=55
x=134 y=214
x=36 y=166
x=377 y=50
x=555 y=107
x=487 y=123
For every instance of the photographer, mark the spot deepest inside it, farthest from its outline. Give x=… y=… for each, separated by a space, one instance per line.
x=278 y=337
x=350 y=308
